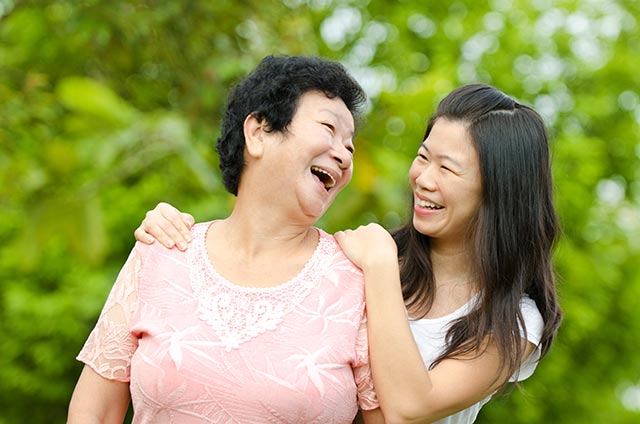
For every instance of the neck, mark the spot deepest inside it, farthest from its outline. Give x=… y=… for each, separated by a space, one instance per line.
x=255 y=232
x=454 y=281
x=452 y=265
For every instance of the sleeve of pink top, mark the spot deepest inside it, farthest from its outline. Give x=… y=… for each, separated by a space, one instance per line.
x=367 y=398
x=110 y=346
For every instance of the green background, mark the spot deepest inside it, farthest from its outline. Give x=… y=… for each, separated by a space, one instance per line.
x=107 y=107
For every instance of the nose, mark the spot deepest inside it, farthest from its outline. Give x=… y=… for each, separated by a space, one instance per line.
x=426 y=179
x=342 y=155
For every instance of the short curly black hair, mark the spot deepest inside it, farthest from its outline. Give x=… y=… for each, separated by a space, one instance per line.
x=271 y=93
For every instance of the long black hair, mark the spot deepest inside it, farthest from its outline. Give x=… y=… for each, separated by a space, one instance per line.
x=513 y=233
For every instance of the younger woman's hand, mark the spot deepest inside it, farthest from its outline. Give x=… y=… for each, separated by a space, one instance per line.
x=167 y=225
x=368 y=245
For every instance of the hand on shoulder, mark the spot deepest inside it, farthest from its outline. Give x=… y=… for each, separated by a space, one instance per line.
x=368 y=245
x=166 y=224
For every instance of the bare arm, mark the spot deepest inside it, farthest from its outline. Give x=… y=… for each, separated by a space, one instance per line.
x=167 y=225
x=98 y=400
x=373 y=416
x=409 y=392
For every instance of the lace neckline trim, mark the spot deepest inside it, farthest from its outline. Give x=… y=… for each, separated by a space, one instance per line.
x=199 y=242
x=238 y=313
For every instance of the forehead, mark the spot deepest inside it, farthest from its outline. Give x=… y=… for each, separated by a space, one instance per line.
x=317 y=103
x=451 y=139
x=450 y=134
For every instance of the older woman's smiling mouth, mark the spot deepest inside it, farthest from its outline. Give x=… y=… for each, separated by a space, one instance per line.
x=325 y=177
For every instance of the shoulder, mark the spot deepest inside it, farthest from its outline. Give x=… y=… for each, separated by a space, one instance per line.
x=155 y=258
x=534 y=325
x=533 y=321
x=198 y=232
x=158 y=267
x=200 y=228
x=336 y=255
x=337 y=272
x=152 y=253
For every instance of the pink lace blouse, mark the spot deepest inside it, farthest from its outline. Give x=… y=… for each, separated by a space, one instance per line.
x=196 y=348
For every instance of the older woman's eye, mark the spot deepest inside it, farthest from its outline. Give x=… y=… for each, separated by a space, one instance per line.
x=328 y=125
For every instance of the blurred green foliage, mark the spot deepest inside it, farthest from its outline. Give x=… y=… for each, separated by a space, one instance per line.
x=107 y=107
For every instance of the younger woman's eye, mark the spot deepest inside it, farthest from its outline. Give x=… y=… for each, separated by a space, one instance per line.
x=446 y=168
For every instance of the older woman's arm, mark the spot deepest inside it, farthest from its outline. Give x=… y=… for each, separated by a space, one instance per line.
x=98 y=400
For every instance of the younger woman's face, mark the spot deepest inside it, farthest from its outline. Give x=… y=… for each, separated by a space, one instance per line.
x=446 y=182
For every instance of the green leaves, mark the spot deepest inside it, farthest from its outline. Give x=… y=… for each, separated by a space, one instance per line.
x=95 y=101
x=107 y=108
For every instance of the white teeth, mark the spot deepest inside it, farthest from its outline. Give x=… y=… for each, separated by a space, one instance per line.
x=328 y=181
x=427 y=204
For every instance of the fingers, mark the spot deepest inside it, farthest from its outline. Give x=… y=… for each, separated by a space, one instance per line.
x=344 y=237
x=142 y=236
x=341 y=235
x=188 y=220
x=167 y=225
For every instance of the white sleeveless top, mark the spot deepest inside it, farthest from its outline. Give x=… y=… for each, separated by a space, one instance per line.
x=430 y=334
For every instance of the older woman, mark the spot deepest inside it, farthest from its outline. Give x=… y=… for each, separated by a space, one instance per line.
x=263 y=318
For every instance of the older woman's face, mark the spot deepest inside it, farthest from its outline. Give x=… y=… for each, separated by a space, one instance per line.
x=446 y=181
x=312 y=160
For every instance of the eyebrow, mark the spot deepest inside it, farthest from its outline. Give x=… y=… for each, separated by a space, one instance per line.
x=352 y=133
x=441 y=156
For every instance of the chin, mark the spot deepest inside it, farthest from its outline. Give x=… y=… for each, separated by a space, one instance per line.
x=314 y=214
x=422 y=229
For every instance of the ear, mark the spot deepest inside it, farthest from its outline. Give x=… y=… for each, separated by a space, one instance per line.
x=254 y=131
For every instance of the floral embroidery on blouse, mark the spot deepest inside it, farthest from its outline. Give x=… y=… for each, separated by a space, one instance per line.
x=197 y=349
x=238 y=314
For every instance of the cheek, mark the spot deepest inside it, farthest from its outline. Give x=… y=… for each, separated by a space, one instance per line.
x=346 y=178
x=414 y=173
x=347 y=175
x=474 y=198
